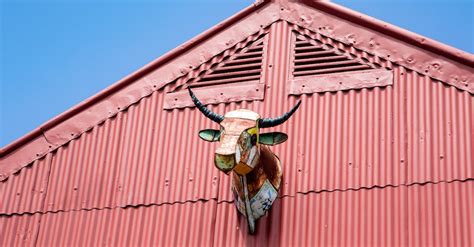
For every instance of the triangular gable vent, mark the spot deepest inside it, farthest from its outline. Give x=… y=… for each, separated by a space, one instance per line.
x=235 y=78
x=314 y=58
x=246 y=65
x=319 y=67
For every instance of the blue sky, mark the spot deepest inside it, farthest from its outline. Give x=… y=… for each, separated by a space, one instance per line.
x=55 y=54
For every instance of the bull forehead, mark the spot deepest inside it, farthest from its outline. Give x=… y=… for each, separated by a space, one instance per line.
x=243 y=114
x=237 y=121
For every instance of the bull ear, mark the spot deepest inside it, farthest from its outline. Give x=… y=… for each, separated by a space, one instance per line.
x=210 y=135
x=272 y=138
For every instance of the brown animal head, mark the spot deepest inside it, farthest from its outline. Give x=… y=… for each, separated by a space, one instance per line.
x=239 y=136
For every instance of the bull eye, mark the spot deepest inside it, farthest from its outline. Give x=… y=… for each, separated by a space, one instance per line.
x=253 y=140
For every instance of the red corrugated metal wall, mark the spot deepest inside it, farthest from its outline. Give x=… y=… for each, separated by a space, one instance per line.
x=382 y=167
x=417 y=215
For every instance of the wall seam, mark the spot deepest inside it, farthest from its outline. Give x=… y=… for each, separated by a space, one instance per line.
x=225 y=201
x=45 y=196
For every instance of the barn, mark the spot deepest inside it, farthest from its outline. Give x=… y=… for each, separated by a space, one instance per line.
x=380 y=153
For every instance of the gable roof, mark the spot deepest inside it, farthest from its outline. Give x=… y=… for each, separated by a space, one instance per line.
x=423 y=55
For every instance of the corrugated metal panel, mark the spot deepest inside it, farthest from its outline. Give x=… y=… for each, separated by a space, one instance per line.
x=390 y=216
x=440 y=133
x=441 y=214
x=417 y=215
x=19 y=230
x=367 y=217
x=189 y=224
x=25 y=191
x=134 y=159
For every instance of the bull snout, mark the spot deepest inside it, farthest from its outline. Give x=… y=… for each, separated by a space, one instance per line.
x=225 y=162
x=225 y=155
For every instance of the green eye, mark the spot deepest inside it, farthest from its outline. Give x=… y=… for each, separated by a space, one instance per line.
x=272 y=138
x=210 y=135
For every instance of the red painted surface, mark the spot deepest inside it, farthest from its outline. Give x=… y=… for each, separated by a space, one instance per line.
x=244 y=91
x=384 y=166
x=392 y=216
x=340 y=81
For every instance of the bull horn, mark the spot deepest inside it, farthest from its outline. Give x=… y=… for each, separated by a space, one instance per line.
x=211 y=115
x=272 y=122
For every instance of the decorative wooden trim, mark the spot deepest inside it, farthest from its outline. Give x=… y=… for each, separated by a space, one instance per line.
x=216 y=94
x=341 y=81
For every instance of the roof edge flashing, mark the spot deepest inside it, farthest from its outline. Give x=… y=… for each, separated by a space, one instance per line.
x=394 y=31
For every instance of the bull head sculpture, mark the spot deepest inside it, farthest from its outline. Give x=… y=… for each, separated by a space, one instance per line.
x=255 y=170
